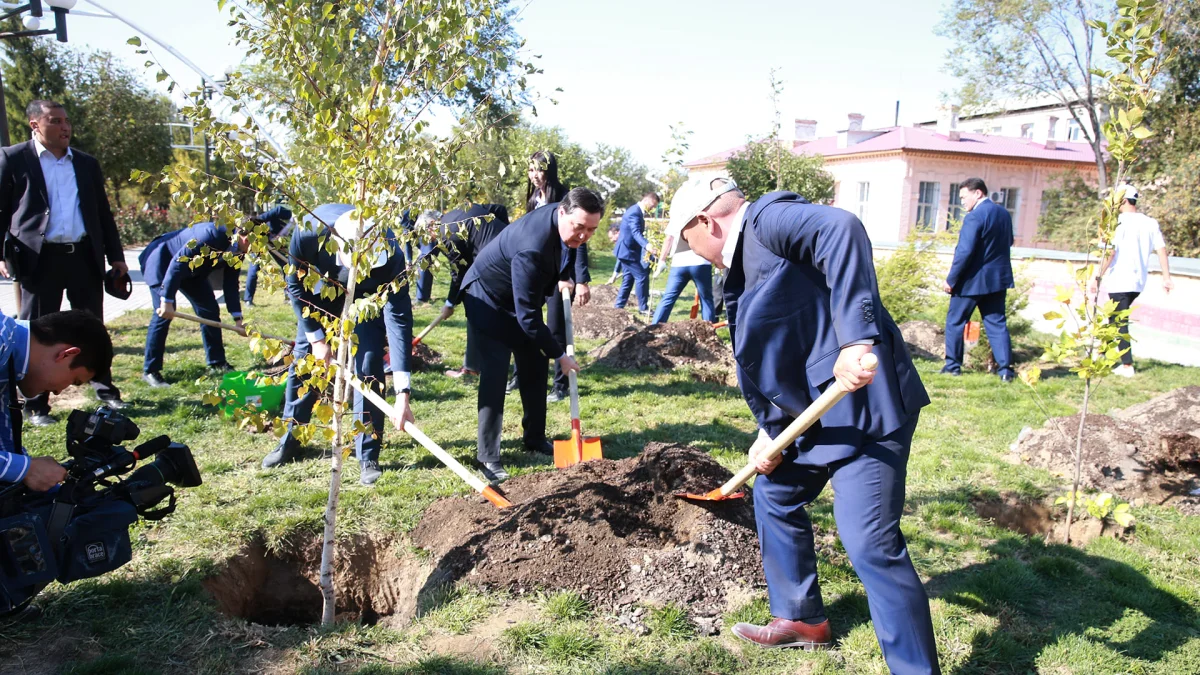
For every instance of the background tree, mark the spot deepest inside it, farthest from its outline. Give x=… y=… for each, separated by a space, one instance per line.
x=32 y=70
x=1029 y=49
x=754 y=170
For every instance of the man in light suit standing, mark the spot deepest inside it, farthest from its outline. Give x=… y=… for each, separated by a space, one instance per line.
x=59 y=230
x=631 y=242
x=980 y=276
x=806 y=272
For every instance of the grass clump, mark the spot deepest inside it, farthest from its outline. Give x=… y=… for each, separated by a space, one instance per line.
x=571 y=643
x=525 y=637
x=670 y=622
x=454 y=609
x=566 y=606
x=757 y=611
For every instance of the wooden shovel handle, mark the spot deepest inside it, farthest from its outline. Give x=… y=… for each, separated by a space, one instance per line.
x=229 y=327
x=811 y=414
x=432 y=324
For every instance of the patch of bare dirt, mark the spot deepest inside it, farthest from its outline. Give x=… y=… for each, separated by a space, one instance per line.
x=671 y=345
x=480 y=643
x=610 y=530
x=1031 y=518
x=925 y=339
x=1148 y=452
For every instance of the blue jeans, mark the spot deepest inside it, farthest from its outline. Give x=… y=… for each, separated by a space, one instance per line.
x=701 y=275
x=991 y=306
x=251 y=282
x=636 y=273
x=200 y=293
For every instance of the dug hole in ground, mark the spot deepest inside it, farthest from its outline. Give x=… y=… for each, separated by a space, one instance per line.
x=610 y=530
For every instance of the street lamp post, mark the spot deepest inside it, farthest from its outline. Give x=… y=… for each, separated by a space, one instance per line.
x=33 y=27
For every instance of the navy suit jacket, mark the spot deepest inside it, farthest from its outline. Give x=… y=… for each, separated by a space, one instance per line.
x=801 y=286
x=166 y=262
x=631 y=242
x=515 y=274
x=983 y=257
x=467 y=233
x=307 y=251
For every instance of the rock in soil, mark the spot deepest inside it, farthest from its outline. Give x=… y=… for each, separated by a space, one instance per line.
x=1149 y=451
x=670 y=345
x=925 y=339
x=611 y=530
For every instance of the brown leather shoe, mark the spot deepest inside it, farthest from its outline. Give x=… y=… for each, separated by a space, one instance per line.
x=784 y=633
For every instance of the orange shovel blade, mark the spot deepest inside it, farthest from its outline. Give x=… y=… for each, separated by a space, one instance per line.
x=712 y=496
x=494 y=496
x=566 y=453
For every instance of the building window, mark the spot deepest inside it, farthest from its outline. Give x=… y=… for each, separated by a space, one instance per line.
x=1009 y=198
x=955 y=214
x=928 y=196
x=1052 y=128
x=1074 y=131
x=1026 y=131
x=864 y=195
x=997 y=130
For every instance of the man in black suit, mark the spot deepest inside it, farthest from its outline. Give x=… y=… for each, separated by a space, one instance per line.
x=59 y=230
x=504 y=292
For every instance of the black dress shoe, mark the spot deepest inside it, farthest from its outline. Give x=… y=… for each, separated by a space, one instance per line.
x=155 y=380
x=41 y=420
x=114 y=403
x=284 y=452
x=494 y=472
x=543 y=448
x=511 y=386
x=1006 y=377
x=370 y=473
x=953 y=372
x=557 y=395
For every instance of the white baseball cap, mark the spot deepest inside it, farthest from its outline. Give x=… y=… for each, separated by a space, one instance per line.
x=346 y=227
x=690 y=199
x=1130 y=191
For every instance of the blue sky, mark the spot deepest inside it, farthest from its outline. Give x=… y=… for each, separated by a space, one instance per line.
x=628 y=68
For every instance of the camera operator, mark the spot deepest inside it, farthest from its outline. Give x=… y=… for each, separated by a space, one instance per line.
x=47 y=354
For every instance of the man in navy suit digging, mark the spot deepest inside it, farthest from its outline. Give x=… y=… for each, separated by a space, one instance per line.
x=804 y=308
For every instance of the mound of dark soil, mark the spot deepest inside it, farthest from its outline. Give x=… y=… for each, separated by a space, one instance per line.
x=603 y=295
x=610 y=530
x=925 y=339
x=425 y=358
x=595 y=321
x=1150 y=451
x=670 y=345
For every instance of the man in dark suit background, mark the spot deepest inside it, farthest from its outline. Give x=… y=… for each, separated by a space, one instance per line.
x=804 y=308
x=631 y=244
x=503 y=293
x=278 y=220
x=167 y=270
x=468 y=231
x=59 y=230
x=980 y=276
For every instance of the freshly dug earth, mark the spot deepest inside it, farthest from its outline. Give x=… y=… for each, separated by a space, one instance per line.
x=670 y=345
x=1148 y=452
x=925 y=339
x=425 y=358
x=596 y=321
x=610 y=530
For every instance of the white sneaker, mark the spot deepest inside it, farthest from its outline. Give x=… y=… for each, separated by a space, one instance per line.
x=1123 y=371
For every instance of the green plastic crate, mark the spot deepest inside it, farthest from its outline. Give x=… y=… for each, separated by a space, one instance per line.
x=244 y=392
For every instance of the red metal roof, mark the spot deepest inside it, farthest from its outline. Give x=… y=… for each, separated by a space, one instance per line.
x=928 y=140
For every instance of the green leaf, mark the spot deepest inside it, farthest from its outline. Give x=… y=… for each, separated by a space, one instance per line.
x=135 y=41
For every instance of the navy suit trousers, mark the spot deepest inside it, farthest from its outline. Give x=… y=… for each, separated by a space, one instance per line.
x=199 y=292
x=868 y=502
x=298 y=409
x=251 y=283
x=637 y=274
x=368 y=363
x=991 y=306
x=494 y=354
x=425 y=277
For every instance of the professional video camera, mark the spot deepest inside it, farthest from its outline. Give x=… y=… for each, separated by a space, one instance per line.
x=81 y=528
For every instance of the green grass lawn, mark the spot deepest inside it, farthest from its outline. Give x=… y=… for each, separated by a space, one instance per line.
x=1002 y=602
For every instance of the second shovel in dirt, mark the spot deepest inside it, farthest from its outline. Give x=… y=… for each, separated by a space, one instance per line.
x=578 y=449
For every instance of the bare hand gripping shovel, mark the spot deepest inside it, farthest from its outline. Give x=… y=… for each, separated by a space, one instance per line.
x=578 y=449
x=490 y=493
x=811 y=414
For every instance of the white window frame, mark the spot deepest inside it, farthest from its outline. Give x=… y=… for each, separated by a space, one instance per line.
x=927 y=206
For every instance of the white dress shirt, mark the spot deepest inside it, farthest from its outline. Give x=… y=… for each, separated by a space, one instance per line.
x=66 y=220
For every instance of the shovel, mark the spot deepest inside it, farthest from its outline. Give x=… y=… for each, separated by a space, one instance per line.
x=578 y=449
x=432 y=324
x=490 y=493
x=230 y=327
x=695 y=306
x=811 y=414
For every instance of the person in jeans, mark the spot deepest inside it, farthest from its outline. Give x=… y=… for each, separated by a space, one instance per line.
x=1124 y=271
x=687 y=266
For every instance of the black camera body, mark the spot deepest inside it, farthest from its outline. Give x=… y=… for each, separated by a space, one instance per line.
x=81 y=528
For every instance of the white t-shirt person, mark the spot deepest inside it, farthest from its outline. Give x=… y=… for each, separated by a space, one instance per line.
x=1137 y=238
